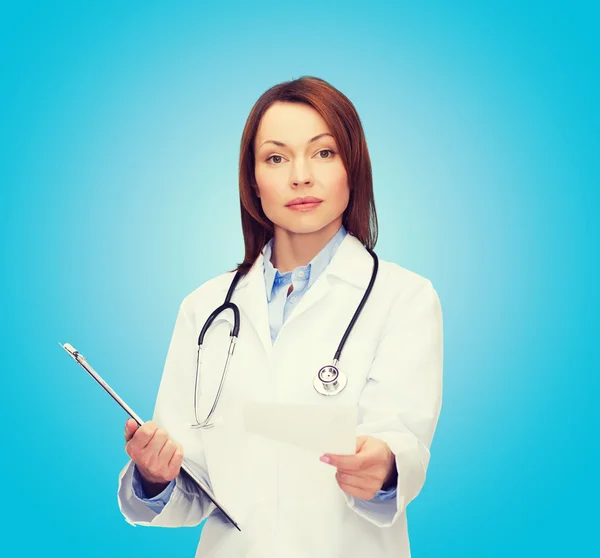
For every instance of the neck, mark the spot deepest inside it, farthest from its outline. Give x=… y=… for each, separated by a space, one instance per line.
x=291 y=250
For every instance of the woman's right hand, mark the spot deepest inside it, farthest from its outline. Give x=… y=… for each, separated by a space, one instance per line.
x=158 y=458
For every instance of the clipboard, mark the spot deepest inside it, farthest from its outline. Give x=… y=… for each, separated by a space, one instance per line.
x=82 y=361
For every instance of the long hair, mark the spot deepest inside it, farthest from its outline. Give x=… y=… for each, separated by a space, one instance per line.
x=360 y=217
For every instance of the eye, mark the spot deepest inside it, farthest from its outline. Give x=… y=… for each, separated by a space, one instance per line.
x=273 y=157
x=327 y=151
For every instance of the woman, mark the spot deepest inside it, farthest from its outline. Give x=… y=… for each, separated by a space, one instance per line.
x=309 y=221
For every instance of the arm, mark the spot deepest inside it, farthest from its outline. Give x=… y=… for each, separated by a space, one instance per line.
x=401 y=402
x=186 y=505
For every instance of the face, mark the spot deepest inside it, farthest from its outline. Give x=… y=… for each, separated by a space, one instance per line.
x=297 y=158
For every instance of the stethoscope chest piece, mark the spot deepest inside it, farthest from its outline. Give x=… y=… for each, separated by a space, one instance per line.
x=330 y=381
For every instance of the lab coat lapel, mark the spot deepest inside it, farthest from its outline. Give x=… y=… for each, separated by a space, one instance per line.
x=351 y=263
x=250 y=296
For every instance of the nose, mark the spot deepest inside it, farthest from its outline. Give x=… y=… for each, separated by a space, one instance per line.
x=301 y=175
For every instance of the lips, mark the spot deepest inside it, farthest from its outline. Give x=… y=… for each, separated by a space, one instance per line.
x=303 y=201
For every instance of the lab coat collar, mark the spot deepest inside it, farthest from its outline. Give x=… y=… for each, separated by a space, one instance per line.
x=313 y=269
x=351 y=263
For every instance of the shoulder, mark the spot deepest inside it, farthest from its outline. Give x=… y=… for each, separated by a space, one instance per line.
x=404 y=287
x=206 y=294
x=402 y=281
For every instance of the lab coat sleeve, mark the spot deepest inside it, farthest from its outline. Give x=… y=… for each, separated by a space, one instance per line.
x=156 y=503
x=187 y=505
x=401 y=401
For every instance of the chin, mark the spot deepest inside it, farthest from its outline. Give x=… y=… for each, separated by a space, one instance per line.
x=304 y=226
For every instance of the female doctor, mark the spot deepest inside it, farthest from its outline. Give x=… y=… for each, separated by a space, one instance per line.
x=309 y=225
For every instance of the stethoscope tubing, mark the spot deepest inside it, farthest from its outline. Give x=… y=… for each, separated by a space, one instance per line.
x=234 y=334
x=361 y=305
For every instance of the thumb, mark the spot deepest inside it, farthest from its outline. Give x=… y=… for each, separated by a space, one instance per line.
x=130 y=427
x=360 y=442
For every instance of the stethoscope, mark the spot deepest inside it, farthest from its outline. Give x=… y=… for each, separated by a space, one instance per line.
x=329 y=379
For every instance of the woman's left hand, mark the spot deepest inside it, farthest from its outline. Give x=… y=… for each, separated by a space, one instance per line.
x=363 y=474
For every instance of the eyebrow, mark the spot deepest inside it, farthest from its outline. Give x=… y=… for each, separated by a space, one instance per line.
x=281 y=144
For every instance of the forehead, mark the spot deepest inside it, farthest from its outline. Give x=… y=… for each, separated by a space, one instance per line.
x=290 y=123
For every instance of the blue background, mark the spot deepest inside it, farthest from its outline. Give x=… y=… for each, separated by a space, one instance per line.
x=120 y=130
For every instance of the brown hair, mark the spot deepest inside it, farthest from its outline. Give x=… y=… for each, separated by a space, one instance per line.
x=360 y=218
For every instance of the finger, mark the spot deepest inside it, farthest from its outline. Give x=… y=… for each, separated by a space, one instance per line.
x=176 y=461
x=350 y=463
x=355 y=462
x=142 y=436
x=166 y=453
x=346 y=462
x=368 y=450
x=358 y=481
x=154 y=447
x=360 y=493
x=130 y=428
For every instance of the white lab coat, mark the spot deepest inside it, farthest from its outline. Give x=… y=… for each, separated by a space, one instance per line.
x=285 y=500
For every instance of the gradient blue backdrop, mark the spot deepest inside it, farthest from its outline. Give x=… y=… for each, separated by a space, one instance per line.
x=120 y=126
